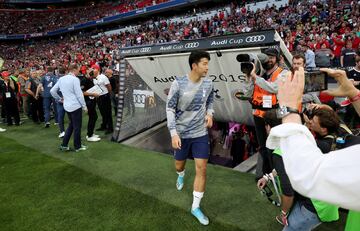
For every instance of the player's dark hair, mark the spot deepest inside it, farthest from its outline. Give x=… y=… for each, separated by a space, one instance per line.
x=196 y=56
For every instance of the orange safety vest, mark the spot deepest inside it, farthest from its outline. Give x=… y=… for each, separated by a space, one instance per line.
x=257 y=99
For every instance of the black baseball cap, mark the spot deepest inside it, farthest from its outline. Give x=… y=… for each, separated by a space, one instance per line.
x=272 y=52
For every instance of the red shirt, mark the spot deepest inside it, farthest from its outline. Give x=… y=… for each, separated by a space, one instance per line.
x=221 y=15
x=339 y=44
x=342 y=30
x=318 y=45
x=356 y=42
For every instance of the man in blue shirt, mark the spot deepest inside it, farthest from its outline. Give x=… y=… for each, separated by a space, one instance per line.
x=60 y=106
x=309 y=56
x=46 y=83
x=74 y=103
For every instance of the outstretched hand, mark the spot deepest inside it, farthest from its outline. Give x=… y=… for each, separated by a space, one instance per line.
x=346 y=87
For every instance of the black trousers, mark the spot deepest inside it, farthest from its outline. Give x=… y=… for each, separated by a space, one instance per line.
x=3 y=109
x=75 y=120
x=12 y=110
x=261 y=136
x=104 y=103
x=91 y=106
x=37 y=110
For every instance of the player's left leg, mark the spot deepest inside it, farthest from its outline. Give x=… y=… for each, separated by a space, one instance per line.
x=200 y=150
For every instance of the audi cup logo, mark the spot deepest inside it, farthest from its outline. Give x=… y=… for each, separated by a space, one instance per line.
x=255 y=38
x=145 y=49
x=192 y=45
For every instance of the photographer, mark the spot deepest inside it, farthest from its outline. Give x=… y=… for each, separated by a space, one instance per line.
x=325 y=124
x=262 y=91
x=297 y=212
x=310 y=172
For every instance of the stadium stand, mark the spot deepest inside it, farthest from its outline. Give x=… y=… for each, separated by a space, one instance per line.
x=308 y=23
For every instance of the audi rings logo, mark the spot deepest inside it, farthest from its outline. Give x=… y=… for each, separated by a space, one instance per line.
x=145 y=49
x=255 y=38
x=139 y=98
x=192 y=45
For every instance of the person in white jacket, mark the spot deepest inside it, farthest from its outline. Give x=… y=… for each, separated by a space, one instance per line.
x=323 y=177
x=333 y=178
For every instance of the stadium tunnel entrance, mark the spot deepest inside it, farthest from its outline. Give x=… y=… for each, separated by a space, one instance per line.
x=146 y=74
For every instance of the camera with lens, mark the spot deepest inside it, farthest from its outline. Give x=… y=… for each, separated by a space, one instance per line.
x=250 y=61
x=309 y=112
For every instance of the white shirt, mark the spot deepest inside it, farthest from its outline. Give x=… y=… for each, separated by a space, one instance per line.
x=333 y=178
x=101 y=80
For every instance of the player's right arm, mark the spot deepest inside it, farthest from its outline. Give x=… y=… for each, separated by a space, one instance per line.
x=171 y=107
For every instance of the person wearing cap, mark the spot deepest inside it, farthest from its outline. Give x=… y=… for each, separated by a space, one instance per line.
x=104 y=101
x=74 y=103
x=262 y=91
x=8 y=89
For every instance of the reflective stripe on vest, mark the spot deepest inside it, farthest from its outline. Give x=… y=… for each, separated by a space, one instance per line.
x=325 y=211
x=258 y=94
x=353 y=221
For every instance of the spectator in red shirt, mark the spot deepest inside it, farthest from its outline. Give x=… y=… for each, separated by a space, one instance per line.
x=338 y=45
x=344 y=28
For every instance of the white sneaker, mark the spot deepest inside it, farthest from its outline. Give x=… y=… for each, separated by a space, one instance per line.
x=62 y=134
x=97 y=136
x=2 y=130
x=92 y=139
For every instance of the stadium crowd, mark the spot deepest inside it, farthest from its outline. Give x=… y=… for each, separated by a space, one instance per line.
x=326 y=32
x=320 y=29
x=15 y=21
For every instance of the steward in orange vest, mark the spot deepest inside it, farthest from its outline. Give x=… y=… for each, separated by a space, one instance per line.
x=263 y=98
